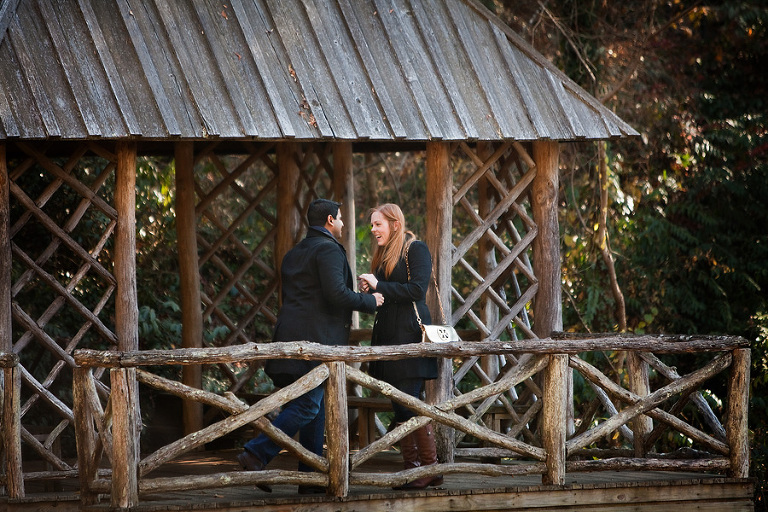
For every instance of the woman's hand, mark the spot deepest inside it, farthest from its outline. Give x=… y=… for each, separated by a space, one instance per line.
x=367 y=282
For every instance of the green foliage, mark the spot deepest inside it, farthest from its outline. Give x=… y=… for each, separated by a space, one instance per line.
x=689 y=200
x=157 y=273
x=701 y=260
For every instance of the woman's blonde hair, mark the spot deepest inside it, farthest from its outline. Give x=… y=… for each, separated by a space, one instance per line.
x=386 y=257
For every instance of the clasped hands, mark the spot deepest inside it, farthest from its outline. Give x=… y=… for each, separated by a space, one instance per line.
x=366 y=283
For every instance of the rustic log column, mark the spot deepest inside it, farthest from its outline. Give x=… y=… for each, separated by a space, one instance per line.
x=85 y=436
x=548 y=310
x=548 y=306
x=12 y=432
x=438 y=239
x=127 y=419
x=126 y=301
x=288 y=220
x=125 y=441
x=6 y=260
x=554 y=410
x=737 y=425
x=11 y=384
x=189 y=275
x=336 y=421
x=487 y=258
x=344 y=192
x=642 y=426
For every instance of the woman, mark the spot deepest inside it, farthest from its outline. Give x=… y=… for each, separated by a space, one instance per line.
x=401 y=272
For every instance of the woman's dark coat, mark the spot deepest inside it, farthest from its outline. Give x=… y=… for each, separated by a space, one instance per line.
x=396 y=322
x=318 y=300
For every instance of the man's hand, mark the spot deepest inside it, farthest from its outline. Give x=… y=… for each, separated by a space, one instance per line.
x=379 y=299
x=367 y=282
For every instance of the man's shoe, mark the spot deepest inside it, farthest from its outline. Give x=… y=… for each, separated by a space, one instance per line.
x=250 y=462
x=311 y=489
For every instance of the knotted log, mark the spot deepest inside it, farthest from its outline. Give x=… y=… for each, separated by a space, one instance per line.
x=306 y=350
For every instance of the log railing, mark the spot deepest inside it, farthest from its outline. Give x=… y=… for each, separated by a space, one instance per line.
x=104 y=429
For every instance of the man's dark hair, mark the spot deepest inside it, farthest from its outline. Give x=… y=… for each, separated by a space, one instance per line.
x=320 y=209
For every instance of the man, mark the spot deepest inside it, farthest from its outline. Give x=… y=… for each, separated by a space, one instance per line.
x=318 y=300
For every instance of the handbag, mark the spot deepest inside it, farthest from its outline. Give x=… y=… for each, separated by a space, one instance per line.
x=434 y=333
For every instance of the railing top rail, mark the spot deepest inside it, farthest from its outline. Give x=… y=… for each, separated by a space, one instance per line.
x=8 y=359
x=248 y=352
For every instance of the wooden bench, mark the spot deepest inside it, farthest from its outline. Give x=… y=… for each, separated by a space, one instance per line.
x=366 y=415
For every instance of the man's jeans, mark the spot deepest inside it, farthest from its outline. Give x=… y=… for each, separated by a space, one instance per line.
x=305 y=415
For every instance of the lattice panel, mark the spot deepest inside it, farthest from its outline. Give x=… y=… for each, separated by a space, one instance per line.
x=683 y=421
x=493 y=234
x=237 y=223
x=62 y=224
x=316 y=172
x=236 y=229
x=493 y=282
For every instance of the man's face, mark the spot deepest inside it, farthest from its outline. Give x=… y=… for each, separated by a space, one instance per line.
x=335 y=225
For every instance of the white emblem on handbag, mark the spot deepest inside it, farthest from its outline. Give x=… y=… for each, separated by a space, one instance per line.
x=436 y=333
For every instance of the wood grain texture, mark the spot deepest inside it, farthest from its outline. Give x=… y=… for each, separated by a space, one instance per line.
x=276 y=70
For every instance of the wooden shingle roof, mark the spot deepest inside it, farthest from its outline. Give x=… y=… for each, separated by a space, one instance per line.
x=378 y=70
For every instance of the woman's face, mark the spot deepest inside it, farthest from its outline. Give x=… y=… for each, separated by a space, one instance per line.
x=380 y=228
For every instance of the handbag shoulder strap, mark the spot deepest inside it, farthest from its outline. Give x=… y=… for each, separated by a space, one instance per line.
x=434 y=279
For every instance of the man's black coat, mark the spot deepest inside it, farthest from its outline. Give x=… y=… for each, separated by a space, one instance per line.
x=318 y=300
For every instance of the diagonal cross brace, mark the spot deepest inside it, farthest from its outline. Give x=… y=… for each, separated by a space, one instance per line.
x=646 y=405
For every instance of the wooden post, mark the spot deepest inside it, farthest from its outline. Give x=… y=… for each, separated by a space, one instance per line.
x=125 y=486
x=548 y=309
x=125 y=456
x=344 y=192
x=737 y=425
x=11 y=387
x=6 y=259
x=189 y=274
x=642 y=426
x=548 y=304
x=85 y=436
x=12 y=432
x=288 y=221
x=438 y=238
x=554 y=423
x=336 y=422
x=126 y=301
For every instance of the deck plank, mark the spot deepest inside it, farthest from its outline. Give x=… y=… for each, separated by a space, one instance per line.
x=600 y=491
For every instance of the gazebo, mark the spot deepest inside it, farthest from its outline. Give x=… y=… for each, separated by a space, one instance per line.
x=262 y=105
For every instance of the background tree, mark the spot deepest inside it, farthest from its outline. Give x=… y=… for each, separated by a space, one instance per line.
x=687 y=206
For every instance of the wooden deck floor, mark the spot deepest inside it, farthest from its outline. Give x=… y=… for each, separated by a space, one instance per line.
x=599 y=491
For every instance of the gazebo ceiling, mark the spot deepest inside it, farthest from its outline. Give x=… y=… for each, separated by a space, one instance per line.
x=360 y=70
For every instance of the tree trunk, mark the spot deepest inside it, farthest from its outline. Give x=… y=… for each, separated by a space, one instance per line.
x=602 y=240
